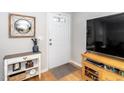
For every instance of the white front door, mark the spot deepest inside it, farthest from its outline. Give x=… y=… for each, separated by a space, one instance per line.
x=58 y=39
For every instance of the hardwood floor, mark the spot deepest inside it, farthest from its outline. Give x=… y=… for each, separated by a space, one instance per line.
x=50 y=76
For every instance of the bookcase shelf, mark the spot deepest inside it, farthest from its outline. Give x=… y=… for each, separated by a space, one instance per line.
x=11 y=73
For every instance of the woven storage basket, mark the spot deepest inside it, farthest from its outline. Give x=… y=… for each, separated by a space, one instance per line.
x=17 y=77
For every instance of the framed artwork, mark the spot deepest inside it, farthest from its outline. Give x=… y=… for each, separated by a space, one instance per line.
x=21 y=26
x=16 y=66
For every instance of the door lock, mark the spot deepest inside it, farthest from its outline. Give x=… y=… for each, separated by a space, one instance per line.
x=50 y=44
x=50 y=39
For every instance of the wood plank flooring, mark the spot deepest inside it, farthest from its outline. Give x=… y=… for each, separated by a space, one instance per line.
x=50 y=76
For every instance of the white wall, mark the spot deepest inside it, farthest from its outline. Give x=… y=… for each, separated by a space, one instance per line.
x=10 y=45
x=79 y=32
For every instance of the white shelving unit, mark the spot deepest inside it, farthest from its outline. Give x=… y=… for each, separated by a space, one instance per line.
x=23 y=73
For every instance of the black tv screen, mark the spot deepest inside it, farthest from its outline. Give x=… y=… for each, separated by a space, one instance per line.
x=106 y=35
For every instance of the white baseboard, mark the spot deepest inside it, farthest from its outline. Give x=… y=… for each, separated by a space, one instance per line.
x=44 y=70
x=76 y=63
x=71 y=61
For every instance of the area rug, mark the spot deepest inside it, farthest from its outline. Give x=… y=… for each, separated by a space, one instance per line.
x=63 y=70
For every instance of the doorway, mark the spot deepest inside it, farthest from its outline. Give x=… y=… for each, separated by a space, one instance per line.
x=58 y=43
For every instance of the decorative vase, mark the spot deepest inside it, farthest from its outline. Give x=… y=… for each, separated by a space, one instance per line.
x=35 y=47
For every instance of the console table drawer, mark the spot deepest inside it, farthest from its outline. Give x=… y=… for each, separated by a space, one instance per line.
x=20 y=59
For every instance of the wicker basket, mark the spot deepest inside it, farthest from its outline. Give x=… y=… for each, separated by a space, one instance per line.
x=17 y=77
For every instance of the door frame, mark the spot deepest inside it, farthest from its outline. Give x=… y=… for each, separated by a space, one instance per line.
x=47 y=35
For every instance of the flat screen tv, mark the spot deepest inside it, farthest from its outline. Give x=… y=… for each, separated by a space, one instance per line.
x=106 y=35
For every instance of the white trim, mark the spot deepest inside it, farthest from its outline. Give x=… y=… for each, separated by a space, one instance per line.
x=44 y=70
x=75 y=63
x=47 y=42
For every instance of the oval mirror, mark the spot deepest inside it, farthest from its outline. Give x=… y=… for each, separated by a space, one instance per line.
x=22 y=26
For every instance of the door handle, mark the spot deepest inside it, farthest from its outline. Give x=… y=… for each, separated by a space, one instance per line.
x=50 y=44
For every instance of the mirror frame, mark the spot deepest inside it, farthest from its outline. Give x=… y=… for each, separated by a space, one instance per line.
x=12 y=22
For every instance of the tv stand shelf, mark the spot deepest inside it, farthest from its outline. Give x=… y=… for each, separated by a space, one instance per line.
x=98 y=66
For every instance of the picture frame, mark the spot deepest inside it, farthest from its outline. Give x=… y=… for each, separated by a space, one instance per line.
x=29 y=64
x=21 y=26
x=16 y=66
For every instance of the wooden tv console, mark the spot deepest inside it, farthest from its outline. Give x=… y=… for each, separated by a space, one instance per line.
x=100 y=67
